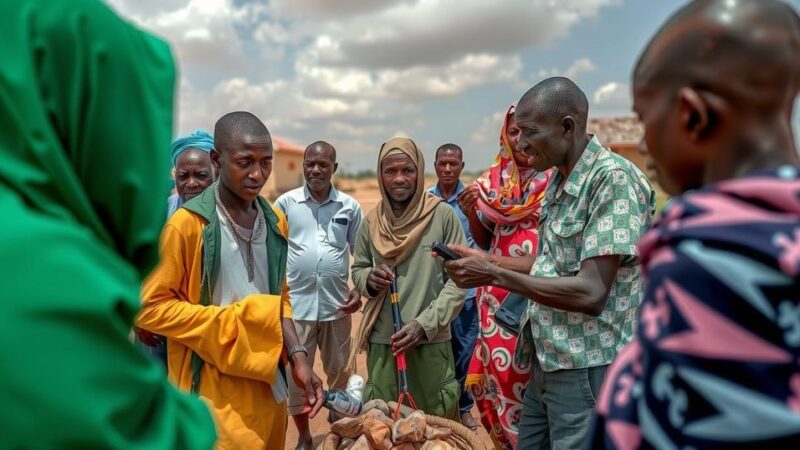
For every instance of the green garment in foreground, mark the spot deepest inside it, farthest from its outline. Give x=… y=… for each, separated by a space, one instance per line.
x=426 y=295
x=431 y=378
x=86 y=116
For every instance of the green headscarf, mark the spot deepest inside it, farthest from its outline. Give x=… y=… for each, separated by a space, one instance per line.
x=86 y=116
x=85 y=121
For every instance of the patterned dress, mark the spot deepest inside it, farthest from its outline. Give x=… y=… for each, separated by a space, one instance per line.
x=716 y=362
x=499 y=398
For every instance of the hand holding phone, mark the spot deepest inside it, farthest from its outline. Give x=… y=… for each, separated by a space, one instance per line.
x=444 y=252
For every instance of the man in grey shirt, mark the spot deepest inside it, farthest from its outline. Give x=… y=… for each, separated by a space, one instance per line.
x=323 y=223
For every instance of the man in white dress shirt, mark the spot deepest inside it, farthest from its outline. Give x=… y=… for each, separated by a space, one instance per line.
x=323 y=224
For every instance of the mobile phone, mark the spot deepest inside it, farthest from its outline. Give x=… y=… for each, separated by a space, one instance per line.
x=444 y=252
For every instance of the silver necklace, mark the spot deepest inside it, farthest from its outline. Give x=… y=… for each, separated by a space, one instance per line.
x=258 y=230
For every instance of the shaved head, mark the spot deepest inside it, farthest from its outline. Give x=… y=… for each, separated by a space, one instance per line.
x=557 y=97
x=744 y=50
x=242 y=155
x=237 y=125
x=320 y=146
x=552 y=118
x=715 y=89
x=449 y=147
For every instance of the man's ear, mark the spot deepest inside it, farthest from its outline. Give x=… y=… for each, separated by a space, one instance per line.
x=568 y=124
x=214 y=154
x=335 y=167
x=695 y=113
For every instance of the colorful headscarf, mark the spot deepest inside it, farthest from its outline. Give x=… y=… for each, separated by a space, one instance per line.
x=200 y=140
x=506 y=196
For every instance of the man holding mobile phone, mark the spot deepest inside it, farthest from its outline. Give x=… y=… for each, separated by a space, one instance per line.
x=585 y=286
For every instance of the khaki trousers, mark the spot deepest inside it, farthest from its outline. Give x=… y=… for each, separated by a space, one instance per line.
x=332 y=338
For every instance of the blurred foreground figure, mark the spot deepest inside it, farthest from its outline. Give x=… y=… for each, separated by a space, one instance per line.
x=715 y=363
x=81 y=213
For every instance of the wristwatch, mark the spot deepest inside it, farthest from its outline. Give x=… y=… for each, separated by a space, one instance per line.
x=295 y=349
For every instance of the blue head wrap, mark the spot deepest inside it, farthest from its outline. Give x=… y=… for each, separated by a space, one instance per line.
x=200 y=140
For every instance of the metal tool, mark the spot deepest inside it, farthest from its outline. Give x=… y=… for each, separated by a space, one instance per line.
x=400 y=360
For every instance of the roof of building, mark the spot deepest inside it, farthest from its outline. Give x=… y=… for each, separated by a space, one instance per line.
x=616 y=130
x=284 y=146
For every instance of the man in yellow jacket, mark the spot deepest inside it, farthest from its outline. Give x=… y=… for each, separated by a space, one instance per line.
x=219 y=295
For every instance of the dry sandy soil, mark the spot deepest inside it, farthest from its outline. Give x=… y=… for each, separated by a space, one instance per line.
x=320 y=426
x=368 y=195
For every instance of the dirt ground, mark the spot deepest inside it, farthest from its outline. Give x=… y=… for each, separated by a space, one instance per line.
x=368 y=195
x=320 y=426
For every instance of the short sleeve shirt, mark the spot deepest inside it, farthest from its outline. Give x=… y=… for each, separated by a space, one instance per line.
x=604 y=207
x=321 y=238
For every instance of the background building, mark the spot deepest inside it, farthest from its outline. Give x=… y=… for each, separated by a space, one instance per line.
x=287 y=169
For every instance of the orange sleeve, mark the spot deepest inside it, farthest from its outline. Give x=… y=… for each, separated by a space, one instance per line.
x=243 y=339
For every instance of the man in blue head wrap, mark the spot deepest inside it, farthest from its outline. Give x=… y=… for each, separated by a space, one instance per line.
x=193 y=169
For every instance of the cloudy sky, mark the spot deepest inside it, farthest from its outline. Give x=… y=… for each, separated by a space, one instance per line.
x=356 y=72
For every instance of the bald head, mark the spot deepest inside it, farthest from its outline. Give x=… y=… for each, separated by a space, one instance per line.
x=715 y=89
x=747 y=51
x=555 y=98
x=551 y=118
x=239 y=126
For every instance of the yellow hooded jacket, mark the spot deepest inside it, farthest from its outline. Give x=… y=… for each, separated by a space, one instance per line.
x=228 y=355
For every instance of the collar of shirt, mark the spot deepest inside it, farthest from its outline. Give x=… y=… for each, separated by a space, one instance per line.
x=437 y=192
x=577 y=178
x=333 y=195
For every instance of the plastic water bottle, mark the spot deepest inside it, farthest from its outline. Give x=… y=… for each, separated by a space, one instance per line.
x=342 y=403
x=347 y=402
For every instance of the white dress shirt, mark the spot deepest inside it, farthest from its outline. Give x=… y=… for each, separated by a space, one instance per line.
x=321 y=240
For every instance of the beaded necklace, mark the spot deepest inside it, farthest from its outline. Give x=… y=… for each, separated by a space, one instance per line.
x=258 y=230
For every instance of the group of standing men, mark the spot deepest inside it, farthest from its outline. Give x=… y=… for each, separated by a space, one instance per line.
x=715 y=349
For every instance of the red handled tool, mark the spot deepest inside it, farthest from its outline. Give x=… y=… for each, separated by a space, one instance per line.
x=400 y=360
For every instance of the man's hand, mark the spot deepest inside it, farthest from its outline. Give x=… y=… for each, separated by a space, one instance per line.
x=407 y=338
x=149 y=339
x=380 y=278
x=353 y=302
x=305 y=378
x=475 y=269
x=468 y=198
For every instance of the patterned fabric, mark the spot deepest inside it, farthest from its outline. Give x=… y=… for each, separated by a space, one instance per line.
x=499 y=397
x=716 y=362
x=605 y=205
x=506 y=195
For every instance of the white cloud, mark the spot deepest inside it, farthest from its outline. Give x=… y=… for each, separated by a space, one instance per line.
x=328 y=9
x=436 y=32
x=613 y=96
x=489 y=129
x=580 y=66
x=420 y=82
x=203 y=33
x=352 y=70
x=573 y=72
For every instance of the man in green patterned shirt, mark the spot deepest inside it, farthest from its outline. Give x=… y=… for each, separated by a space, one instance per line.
x=585 y=286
